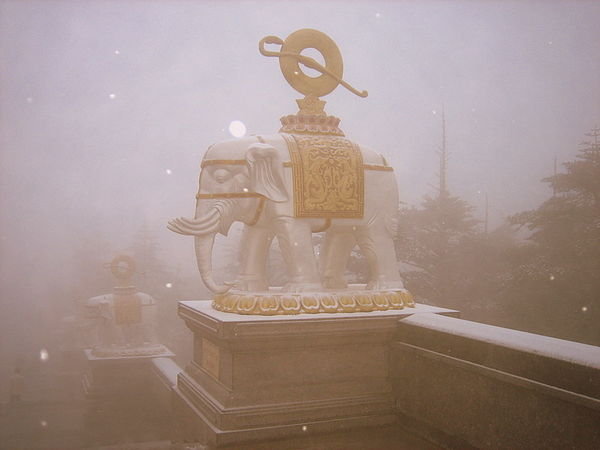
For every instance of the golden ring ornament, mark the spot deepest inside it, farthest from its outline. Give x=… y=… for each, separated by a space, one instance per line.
x=290 y=58
x=122 y=267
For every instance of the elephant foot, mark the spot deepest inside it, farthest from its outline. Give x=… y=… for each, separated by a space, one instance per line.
x=296 y=287
x=335 y=283
x=251 y=285
x=378 y=284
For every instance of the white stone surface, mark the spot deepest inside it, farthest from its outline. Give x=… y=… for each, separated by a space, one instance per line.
x=163 y=353
x=102 y=333
x=246 y=180
x=574 y=352
x=167 y=368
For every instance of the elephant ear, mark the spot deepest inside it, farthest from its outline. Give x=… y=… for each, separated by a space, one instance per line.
x=266 y=172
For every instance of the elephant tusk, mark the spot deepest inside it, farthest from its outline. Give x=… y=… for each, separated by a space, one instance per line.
x=176 y=227
x=199 y=229
x=194 y=227
x=172 y=226
x=206 y=219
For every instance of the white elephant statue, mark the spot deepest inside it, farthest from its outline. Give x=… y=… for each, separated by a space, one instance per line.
x=307 y=178
x=251 y=180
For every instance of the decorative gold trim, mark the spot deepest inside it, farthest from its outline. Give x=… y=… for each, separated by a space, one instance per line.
x=230 y=195
x=127 y=309
x=271 y=304
x=241 y=162
x=311 y=124
x=213 y=162
x=311 y=105
x=377 y=167
x=311 y=132
x=313 y=155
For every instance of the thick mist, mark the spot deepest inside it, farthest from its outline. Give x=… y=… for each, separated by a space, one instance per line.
x=106 y=109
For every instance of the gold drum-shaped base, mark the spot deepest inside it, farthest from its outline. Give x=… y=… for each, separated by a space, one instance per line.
x=284 y=303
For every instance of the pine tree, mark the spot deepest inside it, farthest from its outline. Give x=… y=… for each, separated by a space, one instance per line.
x=561 y=264
x=429 y=241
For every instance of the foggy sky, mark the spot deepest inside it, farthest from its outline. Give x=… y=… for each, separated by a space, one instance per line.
x=106 y=108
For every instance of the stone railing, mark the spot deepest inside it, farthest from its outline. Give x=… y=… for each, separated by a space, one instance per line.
x=456 y=383
x=464 y=384
x=165 y=379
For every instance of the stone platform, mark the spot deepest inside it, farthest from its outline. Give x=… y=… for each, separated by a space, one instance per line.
x=121 y=405
x=267 y=377
x=119 y=375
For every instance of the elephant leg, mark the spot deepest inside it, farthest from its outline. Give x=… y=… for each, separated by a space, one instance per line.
x=295 y=242
x=377 y=245
x=254 y=251
x=334 y=258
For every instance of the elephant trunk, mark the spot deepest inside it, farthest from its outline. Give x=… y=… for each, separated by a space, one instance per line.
x=211 y=217
x=204 y=245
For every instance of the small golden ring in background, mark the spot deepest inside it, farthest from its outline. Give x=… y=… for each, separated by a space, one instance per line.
x=117 y=267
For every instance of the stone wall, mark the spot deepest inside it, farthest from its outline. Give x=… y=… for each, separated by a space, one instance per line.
x=459 y=384
x=465 y=384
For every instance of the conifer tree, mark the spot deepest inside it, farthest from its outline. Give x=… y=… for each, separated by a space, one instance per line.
x=560 y=267
x=429 y=240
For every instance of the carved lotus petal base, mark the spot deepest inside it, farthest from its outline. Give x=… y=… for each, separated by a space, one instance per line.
x=282 y=303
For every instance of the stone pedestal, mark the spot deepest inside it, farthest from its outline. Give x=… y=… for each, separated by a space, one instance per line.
x=114 y=376
x=121 y=403
x=263 y=377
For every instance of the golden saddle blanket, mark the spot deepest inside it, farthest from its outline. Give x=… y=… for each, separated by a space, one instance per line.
x=328 y=176
x=128 y=309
